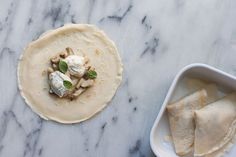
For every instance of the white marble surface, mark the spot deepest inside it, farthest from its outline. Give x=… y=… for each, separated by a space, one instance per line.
x=156 y=38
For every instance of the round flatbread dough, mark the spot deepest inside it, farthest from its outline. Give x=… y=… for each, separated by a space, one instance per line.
x=83 y=39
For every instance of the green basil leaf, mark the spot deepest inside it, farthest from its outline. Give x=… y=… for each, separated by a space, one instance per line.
x=63 y=66
x=67 y=84
x=91 y=74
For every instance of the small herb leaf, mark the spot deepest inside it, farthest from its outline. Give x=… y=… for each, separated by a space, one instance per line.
x=63 y=66
x=91 y=74
x=67 y=84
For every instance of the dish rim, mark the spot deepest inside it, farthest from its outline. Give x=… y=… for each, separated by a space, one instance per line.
x=171 y=90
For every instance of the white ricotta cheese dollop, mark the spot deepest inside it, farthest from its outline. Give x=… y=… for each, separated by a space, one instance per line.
x=56 y=79
x=76 y=65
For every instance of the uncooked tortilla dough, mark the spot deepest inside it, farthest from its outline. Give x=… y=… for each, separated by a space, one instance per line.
x=83 y=39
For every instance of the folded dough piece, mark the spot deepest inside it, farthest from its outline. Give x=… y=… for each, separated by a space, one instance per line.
x=181 y=116
x=215 y=127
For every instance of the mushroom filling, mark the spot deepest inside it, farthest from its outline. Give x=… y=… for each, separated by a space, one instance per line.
x=70 y=75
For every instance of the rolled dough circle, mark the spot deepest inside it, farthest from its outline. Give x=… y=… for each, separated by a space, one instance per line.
x=83 y=39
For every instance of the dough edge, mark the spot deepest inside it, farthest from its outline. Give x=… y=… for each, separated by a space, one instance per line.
x=46 y=35
x=223 y=147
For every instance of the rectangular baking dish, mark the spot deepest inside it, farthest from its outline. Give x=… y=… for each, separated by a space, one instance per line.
x=159 y=144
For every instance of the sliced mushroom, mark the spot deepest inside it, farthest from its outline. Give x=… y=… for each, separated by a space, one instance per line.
x=87 y=67
x=50 y=70
x=63 y=54
x=55 y=59
x=54 y=66
x=79 y=83
x=87 y=83
x=78 y=92
x=69 y=51
x=92 y=68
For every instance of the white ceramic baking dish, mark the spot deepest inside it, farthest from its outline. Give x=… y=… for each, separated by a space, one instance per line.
x=160 y=146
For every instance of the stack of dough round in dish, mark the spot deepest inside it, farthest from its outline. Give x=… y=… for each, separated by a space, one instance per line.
x=83 y=39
